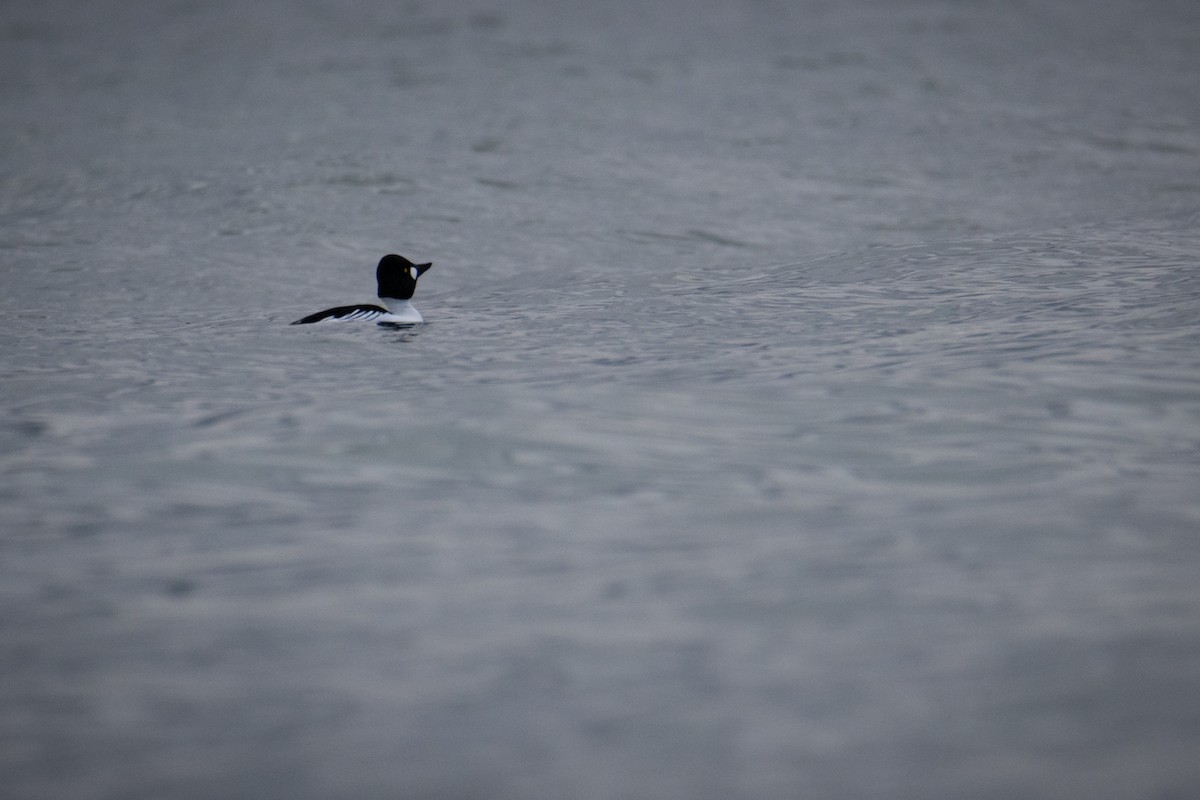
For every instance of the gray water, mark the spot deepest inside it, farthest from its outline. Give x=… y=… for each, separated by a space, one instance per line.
x=808 y=405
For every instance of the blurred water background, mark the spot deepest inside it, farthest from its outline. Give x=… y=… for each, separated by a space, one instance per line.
x=809 y=404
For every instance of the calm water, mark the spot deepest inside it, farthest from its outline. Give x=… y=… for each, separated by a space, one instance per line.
x=809 y=404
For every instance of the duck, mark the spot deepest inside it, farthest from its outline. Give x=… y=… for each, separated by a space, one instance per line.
x=396 y=277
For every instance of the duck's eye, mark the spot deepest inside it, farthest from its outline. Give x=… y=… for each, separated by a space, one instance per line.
x=413 y=271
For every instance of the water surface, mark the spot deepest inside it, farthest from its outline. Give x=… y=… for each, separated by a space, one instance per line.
x=809 y=403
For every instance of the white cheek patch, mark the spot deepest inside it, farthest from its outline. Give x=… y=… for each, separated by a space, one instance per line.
x=413 y=271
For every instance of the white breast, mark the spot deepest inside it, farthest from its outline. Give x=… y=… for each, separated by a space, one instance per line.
x=400 y=311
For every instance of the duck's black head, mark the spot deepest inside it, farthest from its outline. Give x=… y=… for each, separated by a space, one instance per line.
x=397 y=276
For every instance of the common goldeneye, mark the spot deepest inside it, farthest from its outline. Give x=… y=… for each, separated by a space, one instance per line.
x=397 y=278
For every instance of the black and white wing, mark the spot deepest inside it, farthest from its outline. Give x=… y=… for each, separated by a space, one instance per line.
x=364 y=313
